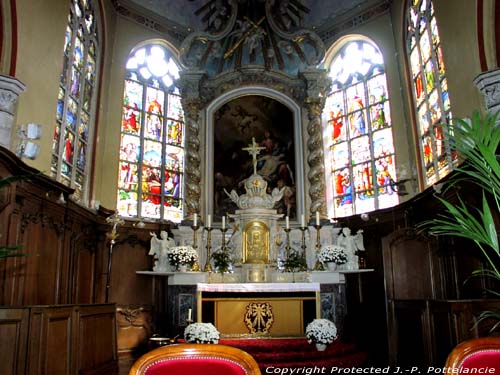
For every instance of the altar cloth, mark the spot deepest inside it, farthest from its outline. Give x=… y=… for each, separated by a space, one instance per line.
x=258 y=287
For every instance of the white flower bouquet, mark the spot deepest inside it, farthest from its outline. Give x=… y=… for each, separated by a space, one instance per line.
x=179 y=255
x=332 y=253
x=201 y=333
x=321 y=331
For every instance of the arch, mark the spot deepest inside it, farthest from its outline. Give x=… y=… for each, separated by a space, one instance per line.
x=209 y=138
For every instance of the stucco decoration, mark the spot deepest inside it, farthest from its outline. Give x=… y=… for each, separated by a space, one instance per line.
x=252 y=33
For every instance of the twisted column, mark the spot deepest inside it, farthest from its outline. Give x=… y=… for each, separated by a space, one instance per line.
x=315 y=158
x=192 y=174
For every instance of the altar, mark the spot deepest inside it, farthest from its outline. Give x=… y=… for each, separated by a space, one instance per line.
x=258 y=309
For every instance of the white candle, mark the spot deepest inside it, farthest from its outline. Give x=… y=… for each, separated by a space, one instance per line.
x=223 y=222
x=302 y=221
x=287 y=223
x=189 y=314
x=195 y=219
x=209 y=221
x=317 y=218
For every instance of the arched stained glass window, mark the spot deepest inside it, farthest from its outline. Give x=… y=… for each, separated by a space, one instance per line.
x=430 y=90
x=74 y=130
x=360 y=162
x=152 y=137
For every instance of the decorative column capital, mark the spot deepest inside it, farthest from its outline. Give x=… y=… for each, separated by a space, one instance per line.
x=317 y=82
x=10 y=89
x=488 y=84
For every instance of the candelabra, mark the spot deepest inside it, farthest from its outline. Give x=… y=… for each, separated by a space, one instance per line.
x=303 y=246
x=318 y=266
x=195 y=227
x=208 y=266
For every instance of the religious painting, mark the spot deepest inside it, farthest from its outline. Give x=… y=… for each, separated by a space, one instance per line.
x=271 y=124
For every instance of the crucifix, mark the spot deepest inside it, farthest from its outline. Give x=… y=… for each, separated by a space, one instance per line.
x=254 y=151
x=115 y=220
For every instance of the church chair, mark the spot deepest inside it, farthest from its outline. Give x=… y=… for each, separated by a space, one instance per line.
x=195 y=359
x=478 y=353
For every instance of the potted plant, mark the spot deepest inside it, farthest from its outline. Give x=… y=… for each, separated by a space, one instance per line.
x=222 y=260
x=295 y=262
x=332 y=256
x=321 y=332
x=182 y=256
x=201 y=333
x=476 y=144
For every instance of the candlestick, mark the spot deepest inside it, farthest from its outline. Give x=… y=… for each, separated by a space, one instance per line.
x=318 y=266
x=317 y=217
x=195 y=219
x=208 y=266
x=189 y=314
x=209 y=221
x=303 y=246
x=287 y=223
x=223 y=222
x=195 y=227
x=302 y=221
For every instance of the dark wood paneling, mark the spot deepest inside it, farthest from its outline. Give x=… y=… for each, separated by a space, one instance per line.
x=14 y=328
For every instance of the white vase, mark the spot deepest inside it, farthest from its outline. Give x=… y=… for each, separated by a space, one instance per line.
x=320 y=347
x=183 y=267
x=332 y=266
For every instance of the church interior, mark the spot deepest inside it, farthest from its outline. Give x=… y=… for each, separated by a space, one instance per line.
x=292 y=155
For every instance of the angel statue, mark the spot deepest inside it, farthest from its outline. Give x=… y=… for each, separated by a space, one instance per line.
x=352 y=244
x=159 y=249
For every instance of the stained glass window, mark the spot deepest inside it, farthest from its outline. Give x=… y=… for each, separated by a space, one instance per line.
x=360 y=162
x=73 y=133
x=152 y=137
x=430 y=90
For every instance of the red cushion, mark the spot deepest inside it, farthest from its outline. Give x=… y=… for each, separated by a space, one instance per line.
x=485 y=358
x=195 y=366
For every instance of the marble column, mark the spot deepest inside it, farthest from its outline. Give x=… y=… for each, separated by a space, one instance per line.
x=192 y=104
x=488 y=84
x=317 y=84
x=10 y=89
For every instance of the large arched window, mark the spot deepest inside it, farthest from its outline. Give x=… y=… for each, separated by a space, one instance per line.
x=360 y=162
x=152 y=137
x=74 y=130
x=430 y=90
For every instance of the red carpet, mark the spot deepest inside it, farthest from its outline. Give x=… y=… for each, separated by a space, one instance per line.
x=298 y=353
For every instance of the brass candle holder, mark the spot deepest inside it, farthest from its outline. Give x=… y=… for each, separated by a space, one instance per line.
x=208 y=266
x=303 y=246
x=195 y=266
x=287 y=244
x=318 y=266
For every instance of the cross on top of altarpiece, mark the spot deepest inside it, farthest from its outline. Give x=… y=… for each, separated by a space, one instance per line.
x=253 y=150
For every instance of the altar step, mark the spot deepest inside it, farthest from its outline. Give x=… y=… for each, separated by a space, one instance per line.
x=298 y=353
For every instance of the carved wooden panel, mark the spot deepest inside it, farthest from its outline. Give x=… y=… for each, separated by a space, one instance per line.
x=14 y=324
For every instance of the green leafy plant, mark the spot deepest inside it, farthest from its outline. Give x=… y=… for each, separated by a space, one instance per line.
x=476 y=143
x=295 y=261
x=222 y=260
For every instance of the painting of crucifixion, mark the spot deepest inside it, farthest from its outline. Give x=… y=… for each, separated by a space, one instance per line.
x=270 y=123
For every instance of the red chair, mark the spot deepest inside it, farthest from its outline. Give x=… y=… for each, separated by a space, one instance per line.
x=477 y=353
x=196 y=359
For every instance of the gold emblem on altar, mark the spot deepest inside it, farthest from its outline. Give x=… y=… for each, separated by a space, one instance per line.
x=256 y=243
x=259 y=317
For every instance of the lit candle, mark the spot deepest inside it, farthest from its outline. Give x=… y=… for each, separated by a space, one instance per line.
x=223 y=222
x=195 y=219
x=302 y=221
x=287 y=223
x=189 y=314
x=317 y=218
x=209 y=221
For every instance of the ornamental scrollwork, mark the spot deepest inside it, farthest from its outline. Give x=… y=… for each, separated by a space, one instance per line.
x=259 y=317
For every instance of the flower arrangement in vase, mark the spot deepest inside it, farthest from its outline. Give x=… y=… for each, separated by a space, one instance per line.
x=182 y=255
x=322 y=332
x=201 y=333
x=222 y=260
x=332 y=254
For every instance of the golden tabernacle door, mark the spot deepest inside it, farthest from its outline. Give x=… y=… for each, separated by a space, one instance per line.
x=256 y=243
